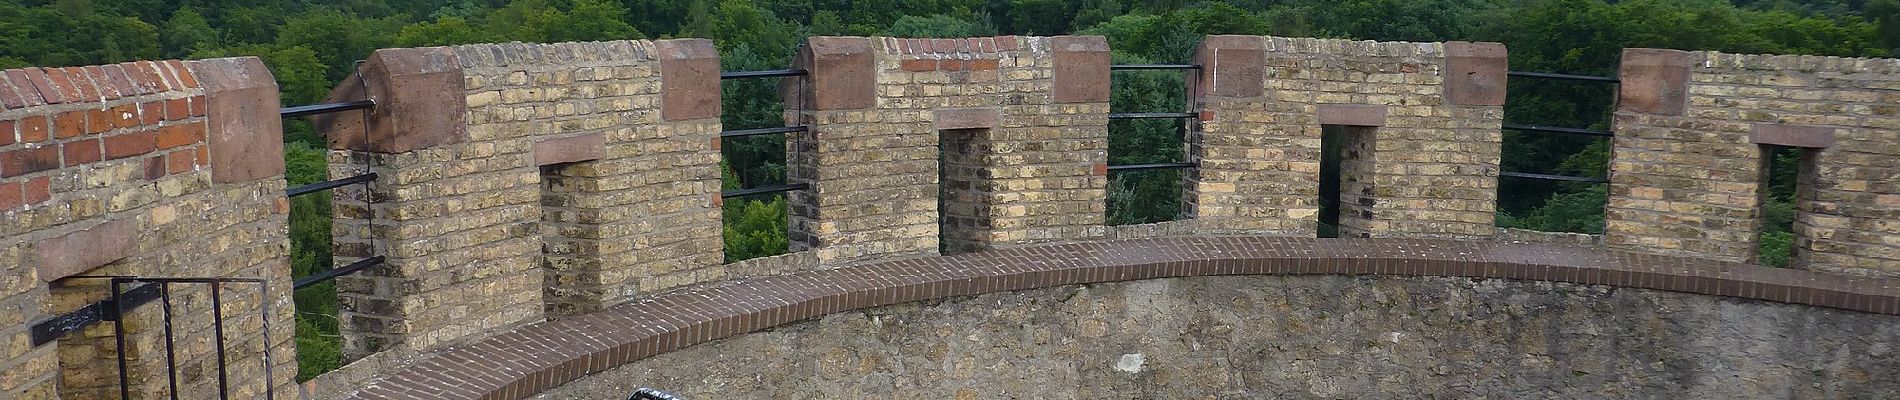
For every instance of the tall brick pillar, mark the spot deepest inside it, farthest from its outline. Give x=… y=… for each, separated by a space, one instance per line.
x=873 y=180
x=454 y=210
x=1422 y=135
x=1676 y=189
x=630 y=172
x=1257 y=167
x=1020 y=124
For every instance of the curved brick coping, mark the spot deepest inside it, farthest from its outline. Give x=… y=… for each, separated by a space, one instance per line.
x=523 y=362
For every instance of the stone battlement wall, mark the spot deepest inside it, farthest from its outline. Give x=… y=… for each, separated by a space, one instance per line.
x=1688 y=166
x=531 y=184
x=166 y=169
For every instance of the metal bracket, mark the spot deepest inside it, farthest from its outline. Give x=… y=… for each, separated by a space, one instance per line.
x=51 y=329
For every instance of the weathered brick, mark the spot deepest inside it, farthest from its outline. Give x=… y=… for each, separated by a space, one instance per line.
x=177 y=109
x=129 y=144
x=22 y=161
x=11 y=196
x=125 y=115
x=180 y=135
x=69 y=124
x=180 y=161
x=81 y=151
x=98 y=120
x=33 y=128
x=38 y=190
x=8 y=133
x=151 y=112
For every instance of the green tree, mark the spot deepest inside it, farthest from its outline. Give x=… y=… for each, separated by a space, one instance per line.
x=938 y=26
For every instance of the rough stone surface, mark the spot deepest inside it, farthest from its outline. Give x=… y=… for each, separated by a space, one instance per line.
x=1293 y=337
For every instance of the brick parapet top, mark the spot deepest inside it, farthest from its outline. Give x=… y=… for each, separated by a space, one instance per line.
x=150 y=113
x=22 y=88
x=1800 y=63
x=528 y=360
x=1286 y=45
x=565 y=55
x=963 y=48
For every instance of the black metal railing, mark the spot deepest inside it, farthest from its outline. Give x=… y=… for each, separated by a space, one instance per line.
x=1189 y=68
x=53 y=328
x=1558 y=129
x=740 y=133
x=364 y=179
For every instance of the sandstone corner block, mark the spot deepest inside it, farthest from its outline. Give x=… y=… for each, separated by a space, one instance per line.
x=245 y=132
x=420 y=102
x=1351 y=114
x=1813 y=137
x=689 y=79
x=1081 y=68
x=843 y=74
x=1654 y=81
x=569 y=149
x=73 y=253
x=966 y=118
x=1232 y=66
x=1475 y=73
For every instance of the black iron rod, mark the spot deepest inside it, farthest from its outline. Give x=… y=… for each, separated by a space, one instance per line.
x=263 y=311
x=329 y=184
x=192 y=280
x=118 y=337
x=1556 y=129
x=171 y=356
x=763 y=189
x=1138 y=167
x=1141 y=115
x=770 y=73
x=1551 y=75
x=325 y=108
x=1549 y=177
x=763 y=131
x=217 y=328
x=319 y=277
x=1131 y=67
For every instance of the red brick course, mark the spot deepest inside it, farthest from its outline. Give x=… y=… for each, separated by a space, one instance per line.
x=526 y=361
x=72 y=116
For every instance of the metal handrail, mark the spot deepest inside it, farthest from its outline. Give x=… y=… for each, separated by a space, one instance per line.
x=763 y=190
x=325 y=108
x=763 y=131
x=1552 y=75
x=1550 y=177
x=1132 y=67
x=320 y=277
x=772 y=73
x=1554 y=129
x=329 y=184
x=1148 y=115
x=1138 y=167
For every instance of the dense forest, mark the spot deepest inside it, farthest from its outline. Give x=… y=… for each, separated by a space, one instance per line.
x=310 y=44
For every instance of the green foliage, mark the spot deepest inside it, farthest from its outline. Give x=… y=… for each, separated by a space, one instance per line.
x=938 y=26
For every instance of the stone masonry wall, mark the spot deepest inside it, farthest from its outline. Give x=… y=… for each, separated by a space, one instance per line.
x=1292 y=337
x=1025 y=116
x=154 y=169
x=1433 y=112
x=523 y=180
x=1686 y=172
